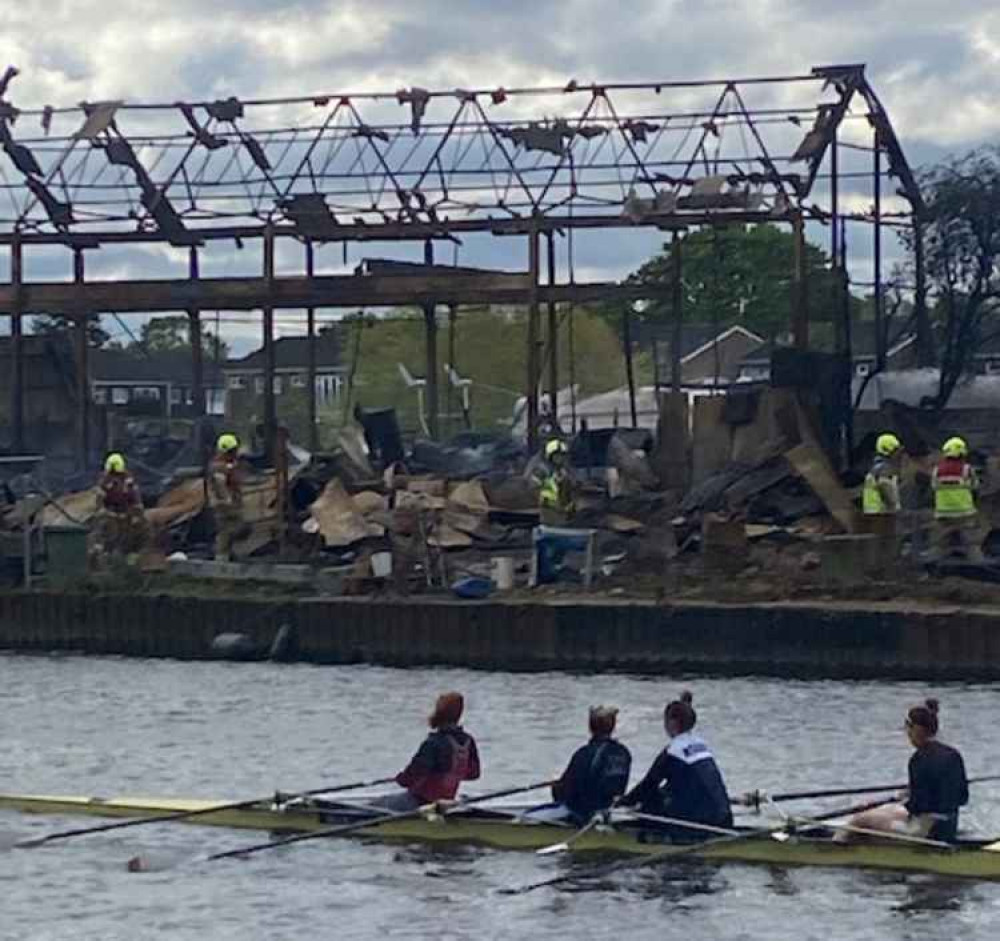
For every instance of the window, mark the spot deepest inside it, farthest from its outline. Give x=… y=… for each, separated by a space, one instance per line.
x=176 y=396
x=147 y=393
x=237 y=382
x=258 y=385
x=278 y=385
x=100 y=396
x=119 y=396
x=216 y=402
x=992 y=367
x=298 y=381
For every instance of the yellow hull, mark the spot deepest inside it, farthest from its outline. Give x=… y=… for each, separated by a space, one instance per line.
x=974 y=860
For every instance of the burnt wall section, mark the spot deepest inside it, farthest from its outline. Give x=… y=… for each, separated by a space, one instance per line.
x=790 y=639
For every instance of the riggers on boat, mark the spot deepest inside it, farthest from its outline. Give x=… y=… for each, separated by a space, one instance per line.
x=502 y=828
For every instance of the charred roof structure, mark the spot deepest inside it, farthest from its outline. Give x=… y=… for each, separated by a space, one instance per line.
x=431 y=166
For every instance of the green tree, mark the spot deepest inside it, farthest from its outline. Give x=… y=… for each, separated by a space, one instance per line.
x=740 y=274
x=167 y=334
x=961 y=242
x=60 y=324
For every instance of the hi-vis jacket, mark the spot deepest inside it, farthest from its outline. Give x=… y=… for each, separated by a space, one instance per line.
x=954 y=482
x=880 y=495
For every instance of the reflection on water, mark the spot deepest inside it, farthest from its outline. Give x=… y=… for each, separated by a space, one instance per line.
x=92 y=726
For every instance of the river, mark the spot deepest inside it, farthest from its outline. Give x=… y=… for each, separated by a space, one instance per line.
x=107 y=727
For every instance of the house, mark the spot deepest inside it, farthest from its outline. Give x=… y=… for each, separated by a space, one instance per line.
x=155 y=385
x=244 y=377
x=901 y=353
x=709 y=354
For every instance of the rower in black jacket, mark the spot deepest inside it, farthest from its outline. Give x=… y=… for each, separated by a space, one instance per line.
x=597 y=773
x=684 y=782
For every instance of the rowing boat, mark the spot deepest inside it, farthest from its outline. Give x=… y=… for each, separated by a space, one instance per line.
x=503 y=828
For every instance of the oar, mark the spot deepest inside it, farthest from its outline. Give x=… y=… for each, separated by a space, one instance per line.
x=188 y=814
x=344 y=829
x=564 y=846
x=754 y=798
x=672 y=852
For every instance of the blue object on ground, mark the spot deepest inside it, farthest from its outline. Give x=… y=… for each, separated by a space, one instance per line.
x=473 y=587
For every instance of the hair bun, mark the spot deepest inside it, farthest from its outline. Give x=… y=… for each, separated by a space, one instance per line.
x=932 y=705
x=687 y=697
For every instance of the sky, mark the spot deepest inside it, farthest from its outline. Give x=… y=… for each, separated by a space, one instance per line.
x=935 y=65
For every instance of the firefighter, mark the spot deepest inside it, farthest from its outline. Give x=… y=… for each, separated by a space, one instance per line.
x=956 y=519
x=880 y=502
x=120 y=521
x=556 y=485
x=225 y=494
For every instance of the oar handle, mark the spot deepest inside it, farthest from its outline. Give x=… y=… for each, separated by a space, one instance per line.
x=443 y=807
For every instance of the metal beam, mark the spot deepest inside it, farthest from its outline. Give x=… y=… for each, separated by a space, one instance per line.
x=311 y=355
x=350 y=291
x=194 y=336
x=17 y=350
x=430 y=352
x=82 y=313
x=270 y=404
x=531 y=386
x=553 y=333
x=800 y=287
x=677 y=314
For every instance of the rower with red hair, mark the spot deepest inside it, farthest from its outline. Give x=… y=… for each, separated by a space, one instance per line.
x=447 y=757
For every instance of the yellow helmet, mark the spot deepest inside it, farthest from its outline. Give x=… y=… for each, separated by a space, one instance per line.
x=227 y=443
x=887 y=445
x=554 y=446
x=955 y=447
x=115 y=463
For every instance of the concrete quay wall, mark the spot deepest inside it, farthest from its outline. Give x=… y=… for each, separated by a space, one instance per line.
x=785 y=639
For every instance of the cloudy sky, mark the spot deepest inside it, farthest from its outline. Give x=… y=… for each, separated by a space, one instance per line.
x=935 y=64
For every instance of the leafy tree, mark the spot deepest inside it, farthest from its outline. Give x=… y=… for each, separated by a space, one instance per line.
x=60 y=324
x=741 y=274
x=961 y=243
x=167 y=334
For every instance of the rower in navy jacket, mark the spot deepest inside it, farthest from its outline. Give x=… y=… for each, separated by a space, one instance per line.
x=447 y=757
x=597 y=773
x=684 y=782
x=938 y=786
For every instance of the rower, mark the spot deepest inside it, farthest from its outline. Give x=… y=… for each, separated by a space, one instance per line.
x=597 y=773
x=938 y=785
x=684 y=782
x=447 y=757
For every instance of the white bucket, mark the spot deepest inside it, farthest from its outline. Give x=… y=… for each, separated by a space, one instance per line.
x=381 y=564
x=503 y=572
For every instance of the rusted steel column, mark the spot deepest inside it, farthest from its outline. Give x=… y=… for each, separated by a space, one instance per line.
x=800 y=287
x=676 y=313
x=194 y=335
x=430 y=347
x=629 y=370
x=531 y=387
x=270 y=404
x=16 y=348
x=82 y=364
x=311 y=355
x=553 y=334
x=881 y=340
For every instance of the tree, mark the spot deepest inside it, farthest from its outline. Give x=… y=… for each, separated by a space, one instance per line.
x=167 y=334
x=61 y=325
x=960 y=229
x=740 y=274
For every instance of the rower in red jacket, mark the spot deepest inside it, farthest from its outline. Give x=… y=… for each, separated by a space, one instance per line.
x=447 y=757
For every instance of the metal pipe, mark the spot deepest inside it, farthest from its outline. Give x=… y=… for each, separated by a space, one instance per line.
x=195 y=338
x=431 y=352
x=531 y=386
x=311 y=392
x=800 y=287
x=880 y=331
x=553 y=335
x=17 y=348
x=676 y=313
x=82 y=365
x=270 y=403
x=629 y=370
